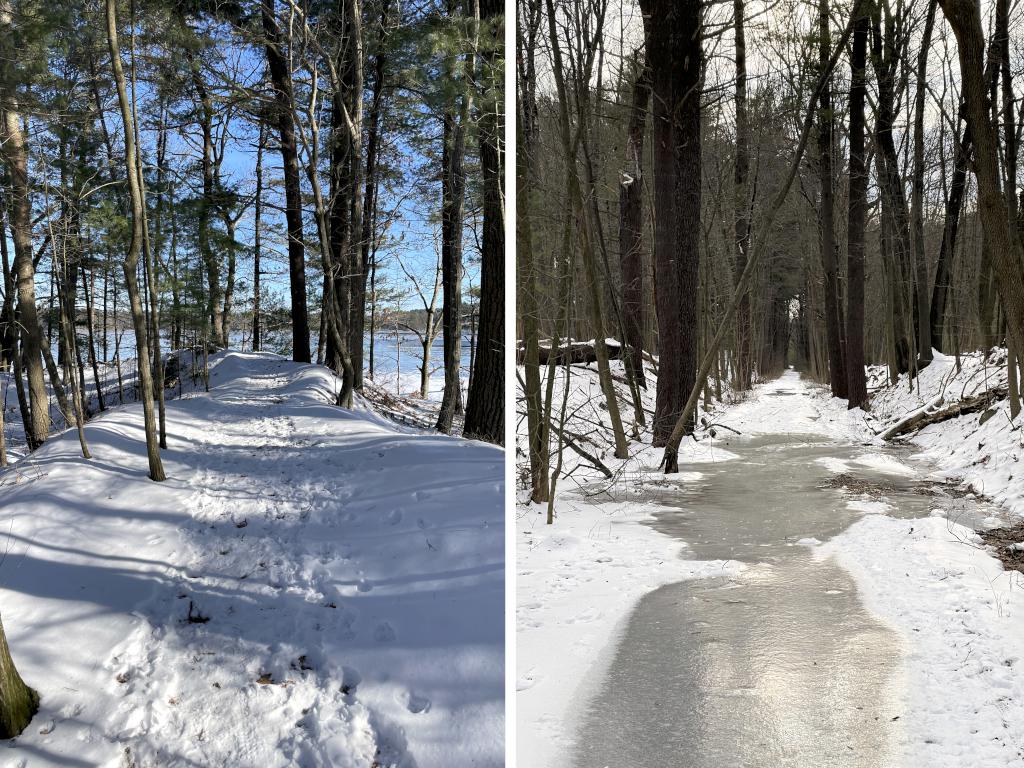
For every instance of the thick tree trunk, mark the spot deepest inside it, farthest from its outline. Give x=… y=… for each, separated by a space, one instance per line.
x=857 y=393
x=675 y=56
x=18 y=702
x=16 y=157
x=485 y=407
x=281 y=80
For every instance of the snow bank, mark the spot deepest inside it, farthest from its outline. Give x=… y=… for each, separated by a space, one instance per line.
x=311 y=586
x=984 y=457
x=962 y=617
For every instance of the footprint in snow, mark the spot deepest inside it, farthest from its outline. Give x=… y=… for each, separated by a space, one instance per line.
x=412 y=702
x=384 y=633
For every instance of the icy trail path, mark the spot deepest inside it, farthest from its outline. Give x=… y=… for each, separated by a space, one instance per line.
x=310 y=587
x=900 y=650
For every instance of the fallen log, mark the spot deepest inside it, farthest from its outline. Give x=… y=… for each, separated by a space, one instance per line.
x=922 y=418
x=576 y=353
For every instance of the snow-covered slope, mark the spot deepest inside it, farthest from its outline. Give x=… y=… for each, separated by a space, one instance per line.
x=980 y=450
x=311 y=586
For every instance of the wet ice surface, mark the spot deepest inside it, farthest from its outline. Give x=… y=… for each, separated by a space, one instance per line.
x=780 y=666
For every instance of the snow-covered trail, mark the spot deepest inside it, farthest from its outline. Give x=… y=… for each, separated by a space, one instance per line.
x=310 y=587
x=806 y=655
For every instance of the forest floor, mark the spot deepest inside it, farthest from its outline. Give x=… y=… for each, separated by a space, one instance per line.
x=311 y=586
x=899 y=522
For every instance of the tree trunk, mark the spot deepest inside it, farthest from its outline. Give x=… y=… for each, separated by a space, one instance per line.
x=210 y=259
x=527 y=295
x=18 y=702
x=964 y=17
x=16 y=156
x=156 y=470
x=631 y=225
x=950 y=226
x=485 y=407
x=675 y=56
x=281 y=80
x=924 y=336
x=257 y=240
x=826 y=213
x=453 y=192
x=741 y=204
x=857 y=393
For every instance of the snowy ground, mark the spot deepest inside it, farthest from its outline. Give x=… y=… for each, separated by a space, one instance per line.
x=961 y=616
x=311 y=586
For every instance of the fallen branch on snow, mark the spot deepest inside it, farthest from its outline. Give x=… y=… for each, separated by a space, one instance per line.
x=925 y=416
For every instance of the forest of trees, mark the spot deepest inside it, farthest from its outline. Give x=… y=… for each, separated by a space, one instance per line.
x=729 y=188
x=266 y=175
x=244 y=174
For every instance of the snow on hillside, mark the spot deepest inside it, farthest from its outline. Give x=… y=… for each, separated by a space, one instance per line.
x=980 y=450
x=311 y=586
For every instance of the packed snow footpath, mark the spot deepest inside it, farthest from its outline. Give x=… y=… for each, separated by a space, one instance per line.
x=310 y=587
x=960 y=615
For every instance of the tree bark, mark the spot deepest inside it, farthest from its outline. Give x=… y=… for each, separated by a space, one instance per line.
x=675 y=56
x=741 y=204
x=485 y=407
x=15 y=154
x=857 y=393
x=453 y=193
x=631 y=225
x=284 y=101
x=923 y=316
x=964 y=16
x=826 y=220
x=156 y=470
x=950 y=226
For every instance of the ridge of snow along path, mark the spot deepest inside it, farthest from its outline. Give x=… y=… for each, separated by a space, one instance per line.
x=310 y=587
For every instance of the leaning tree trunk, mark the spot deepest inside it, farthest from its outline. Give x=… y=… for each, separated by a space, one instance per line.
x=131 y=262
x=964 y=16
